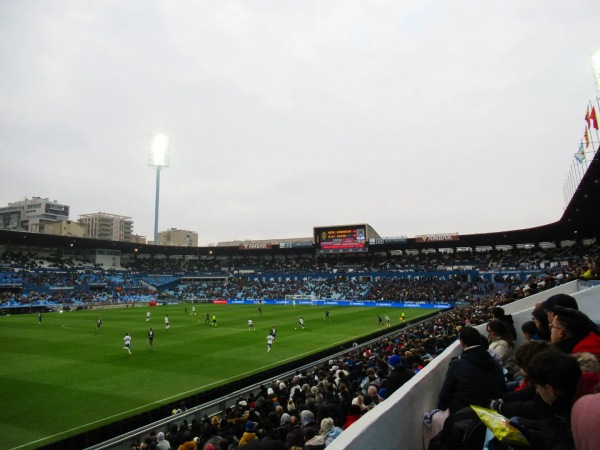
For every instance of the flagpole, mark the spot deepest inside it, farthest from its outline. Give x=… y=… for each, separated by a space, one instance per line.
x=596 y=121
x=598 y=138
x=580 y=169
x=572 y=185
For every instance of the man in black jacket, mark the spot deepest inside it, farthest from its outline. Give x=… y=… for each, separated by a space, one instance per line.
x=398 y=375
x=474 y=378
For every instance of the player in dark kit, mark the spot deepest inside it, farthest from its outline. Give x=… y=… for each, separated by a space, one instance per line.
x=327 y=315
x=98 y=323
x=151 y=337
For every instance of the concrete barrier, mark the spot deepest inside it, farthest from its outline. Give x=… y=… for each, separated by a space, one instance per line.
x=397 y=423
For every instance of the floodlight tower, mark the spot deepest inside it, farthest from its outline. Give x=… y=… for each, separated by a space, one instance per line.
x=158 y=158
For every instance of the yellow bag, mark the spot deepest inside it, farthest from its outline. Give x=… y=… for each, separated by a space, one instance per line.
x=500 y=426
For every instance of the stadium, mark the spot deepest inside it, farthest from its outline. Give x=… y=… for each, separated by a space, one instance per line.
x=59 y=278
x=431 y=292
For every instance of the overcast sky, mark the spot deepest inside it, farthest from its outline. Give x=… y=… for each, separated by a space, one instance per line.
x=415 y=117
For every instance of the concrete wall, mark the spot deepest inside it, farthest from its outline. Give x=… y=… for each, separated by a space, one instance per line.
x=398 y=421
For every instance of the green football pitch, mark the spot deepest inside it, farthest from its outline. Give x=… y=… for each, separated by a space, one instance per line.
x=63 y=377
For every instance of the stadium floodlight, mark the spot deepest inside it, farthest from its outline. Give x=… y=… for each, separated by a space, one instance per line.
x=158 y=158
x=596 y=69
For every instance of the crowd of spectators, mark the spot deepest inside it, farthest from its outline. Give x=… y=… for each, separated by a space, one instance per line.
x=312 y=408
x=27 y=279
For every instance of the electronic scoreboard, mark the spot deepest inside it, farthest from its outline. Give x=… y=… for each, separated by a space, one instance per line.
x=346 y=238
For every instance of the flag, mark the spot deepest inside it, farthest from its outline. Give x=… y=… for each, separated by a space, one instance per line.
x=587 y=116
x=593 y=118
x=586 y=136
x=580 y=155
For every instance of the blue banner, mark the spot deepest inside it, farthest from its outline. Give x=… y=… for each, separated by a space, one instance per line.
x=423 y=305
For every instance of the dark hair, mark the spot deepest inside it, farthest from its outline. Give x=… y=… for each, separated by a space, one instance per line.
x=527 y=351
x=309 y=433
x=575 y=323
x=497 y=312
x=498 y=327
x=540 y=315
x=469 y=336
x=529 y=328
x=557 y=369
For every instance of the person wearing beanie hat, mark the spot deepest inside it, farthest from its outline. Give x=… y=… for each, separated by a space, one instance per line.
x=162 y=444
x=329 y=431
x=398 y=375
x=249 y=434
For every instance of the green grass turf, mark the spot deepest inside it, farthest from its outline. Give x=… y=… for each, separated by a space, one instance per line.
x=62 y=377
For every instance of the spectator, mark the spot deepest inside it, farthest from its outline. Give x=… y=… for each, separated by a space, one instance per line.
x=398 y=375
x=555 y=376
x=474 y=378
x=573 y=332
x=295 y=436
x=498 y=314
x=353 y=415
x=564 y=300
x=188 y=442
x=313 y=441
x=585 y=418
x=540 y=318
x=162 y=443
x=502 y=344
x=529 y=330
x=329 y=431
x=249 y=434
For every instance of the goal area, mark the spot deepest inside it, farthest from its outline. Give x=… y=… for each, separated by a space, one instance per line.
x=294 y=298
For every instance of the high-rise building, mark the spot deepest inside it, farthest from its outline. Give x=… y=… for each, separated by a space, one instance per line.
x=32 y=214
x=179 y=238
x=108 y=226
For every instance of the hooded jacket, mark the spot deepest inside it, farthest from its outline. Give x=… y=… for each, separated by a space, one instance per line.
x=473 y=378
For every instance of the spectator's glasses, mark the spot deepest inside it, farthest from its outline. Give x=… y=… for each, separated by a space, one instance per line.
x=550 y=326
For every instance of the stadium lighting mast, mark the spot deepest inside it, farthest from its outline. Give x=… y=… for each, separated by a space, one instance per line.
x=158 y=158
